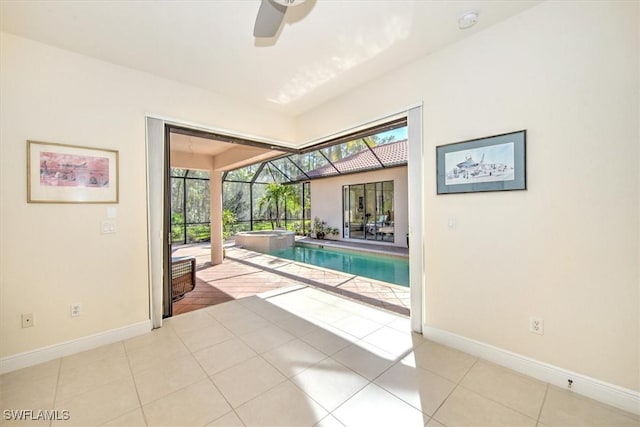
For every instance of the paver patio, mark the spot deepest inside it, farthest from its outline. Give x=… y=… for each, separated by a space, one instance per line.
x=245 y=273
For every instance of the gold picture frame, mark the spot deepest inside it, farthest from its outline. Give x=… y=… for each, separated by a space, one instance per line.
x=61 y=173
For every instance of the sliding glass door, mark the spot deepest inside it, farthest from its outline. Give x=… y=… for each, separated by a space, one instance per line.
x=368 y=211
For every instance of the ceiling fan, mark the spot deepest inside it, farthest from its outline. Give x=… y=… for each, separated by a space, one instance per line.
x=271 y=15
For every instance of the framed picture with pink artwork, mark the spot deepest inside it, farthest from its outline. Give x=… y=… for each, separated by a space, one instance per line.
x=61 y=173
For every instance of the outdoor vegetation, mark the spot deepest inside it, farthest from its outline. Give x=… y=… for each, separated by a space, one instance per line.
x=263 y=196
x=190 y=206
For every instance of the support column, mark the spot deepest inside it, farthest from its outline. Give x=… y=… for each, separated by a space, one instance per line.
x=215 y=187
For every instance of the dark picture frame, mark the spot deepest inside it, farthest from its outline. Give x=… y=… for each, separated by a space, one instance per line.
x=492 y=163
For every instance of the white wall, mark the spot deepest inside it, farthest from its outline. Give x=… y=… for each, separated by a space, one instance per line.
x=566 y=249
x=326 y=197
x=52 y=255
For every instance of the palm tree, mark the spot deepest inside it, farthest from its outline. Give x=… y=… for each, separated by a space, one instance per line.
x=276 y=198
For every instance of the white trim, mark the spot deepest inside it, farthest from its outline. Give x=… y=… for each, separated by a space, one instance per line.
x=44 y=354
x=415 y=191
x=155 y=152
x=357 y=127
x=221 y=131
x=611 y=394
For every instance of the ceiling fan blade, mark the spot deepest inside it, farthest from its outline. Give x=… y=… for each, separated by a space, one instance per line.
x=269 y=19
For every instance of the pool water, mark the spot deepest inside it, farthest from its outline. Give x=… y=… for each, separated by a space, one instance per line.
x=379 y=267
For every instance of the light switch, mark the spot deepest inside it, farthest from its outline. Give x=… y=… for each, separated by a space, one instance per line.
x=451 y=223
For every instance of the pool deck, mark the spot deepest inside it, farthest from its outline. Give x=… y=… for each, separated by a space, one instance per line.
x=245 y=273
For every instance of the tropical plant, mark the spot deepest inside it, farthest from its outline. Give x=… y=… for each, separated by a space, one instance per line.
x=276 y=199
x=318 y=227
x=228 y=221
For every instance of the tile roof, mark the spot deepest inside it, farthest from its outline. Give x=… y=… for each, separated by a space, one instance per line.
x=391 y=154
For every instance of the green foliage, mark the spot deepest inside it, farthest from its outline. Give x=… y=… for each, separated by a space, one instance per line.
x=318 y=225
x=276 y=199
x=228 y=221
x=198 y=233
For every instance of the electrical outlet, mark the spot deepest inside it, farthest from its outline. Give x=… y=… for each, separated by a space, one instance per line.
x=76 y=310
x=536 y=325
x=108 y=226
x=27 y=320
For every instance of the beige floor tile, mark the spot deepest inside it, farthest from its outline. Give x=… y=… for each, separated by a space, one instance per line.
x=33 y=392
x=267 y=338
x=329 y=383
x=158 y=354
x=350 y=306
x=191 y=321
x=90 y=357
x=357 y=326
x=79 y=378
x=516 y=391
x=393 y=341
x=293 y=357
x=434 y=423
x=328 y=340
x=565 y=408
x=269 y=311
x=20 y=376
x=329 y=421
x=100 y=404
x=224 y=355
x=247 y=380
x=155 y=337
x=444 y=361
x=206 y=337
x=195 y=405
x=284 y=405
x=228 y=420
x=375 y=315
x=134 y=418
x=466 y=408
x=228 y=310
x=158 y=382
x=365 y=359
x=374 y=406
x=401 y=323
x=295 y=325
x=250 y=322
x=418 y=387
x=326 y=313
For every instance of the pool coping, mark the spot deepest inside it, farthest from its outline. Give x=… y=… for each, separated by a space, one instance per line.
x=329 y=270
x=355 y=247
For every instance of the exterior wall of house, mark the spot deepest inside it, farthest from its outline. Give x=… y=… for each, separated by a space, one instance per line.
x=566 y=249
x=326 y=200
x=53 y=255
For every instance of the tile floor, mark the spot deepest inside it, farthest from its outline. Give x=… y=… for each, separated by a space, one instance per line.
x=294 y=357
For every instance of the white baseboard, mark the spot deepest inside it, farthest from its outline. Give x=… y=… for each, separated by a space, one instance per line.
x=44 y=354
x=611 y=394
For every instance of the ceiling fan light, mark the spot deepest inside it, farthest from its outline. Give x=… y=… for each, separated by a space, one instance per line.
x=289 y=2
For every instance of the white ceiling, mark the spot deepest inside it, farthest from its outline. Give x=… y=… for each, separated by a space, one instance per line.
x=324 y=48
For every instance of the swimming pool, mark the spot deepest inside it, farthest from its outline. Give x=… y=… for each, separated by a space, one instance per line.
x=389 y=269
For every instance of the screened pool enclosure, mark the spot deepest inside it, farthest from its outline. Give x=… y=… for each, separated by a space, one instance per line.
x=277 y=193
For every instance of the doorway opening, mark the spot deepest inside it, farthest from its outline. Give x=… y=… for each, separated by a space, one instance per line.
x=160 y=133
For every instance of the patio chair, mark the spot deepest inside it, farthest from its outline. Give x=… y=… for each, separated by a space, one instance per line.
x=183 y=276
